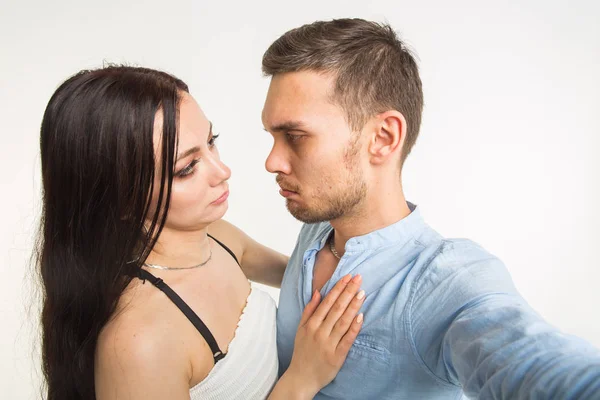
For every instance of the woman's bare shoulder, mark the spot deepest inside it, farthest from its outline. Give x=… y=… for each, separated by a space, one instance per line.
x=141 y=351
x=230 y=235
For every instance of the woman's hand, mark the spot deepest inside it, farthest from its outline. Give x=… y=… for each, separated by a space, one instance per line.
x=325 y=334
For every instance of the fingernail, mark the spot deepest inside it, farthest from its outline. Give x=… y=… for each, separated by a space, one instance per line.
x=314 y=294
x=360 y=295
x=359 y=318
x=357 y=279
x=346 y=278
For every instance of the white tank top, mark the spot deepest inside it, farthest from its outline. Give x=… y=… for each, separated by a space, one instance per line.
x=249 y=370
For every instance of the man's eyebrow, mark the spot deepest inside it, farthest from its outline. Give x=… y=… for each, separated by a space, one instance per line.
x=286 y=126
x=195 y=148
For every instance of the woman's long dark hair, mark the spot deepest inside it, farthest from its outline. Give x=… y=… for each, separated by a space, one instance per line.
x=98 y=164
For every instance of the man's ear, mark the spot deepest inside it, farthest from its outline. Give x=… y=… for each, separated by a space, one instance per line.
x=388 y=132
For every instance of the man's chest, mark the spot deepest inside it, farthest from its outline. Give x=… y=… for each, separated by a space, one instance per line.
x=325 y=266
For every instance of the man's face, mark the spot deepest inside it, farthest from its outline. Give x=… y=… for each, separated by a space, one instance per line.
x=316 y=156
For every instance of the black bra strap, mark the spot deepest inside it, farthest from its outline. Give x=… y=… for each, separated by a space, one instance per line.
x=225 y=247
x=189 y=313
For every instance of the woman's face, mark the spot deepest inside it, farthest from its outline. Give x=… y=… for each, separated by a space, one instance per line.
x=200 y=190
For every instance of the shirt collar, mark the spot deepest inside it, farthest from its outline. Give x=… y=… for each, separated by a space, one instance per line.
x=398 y=233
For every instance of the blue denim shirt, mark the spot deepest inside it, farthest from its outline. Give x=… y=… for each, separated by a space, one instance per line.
x=442 y=319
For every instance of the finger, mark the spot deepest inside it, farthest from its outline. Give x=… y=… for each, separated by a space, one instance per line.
x=346 y=343
x=310 y=307
x=345 y=321
x=323 y=308
x=341 y=304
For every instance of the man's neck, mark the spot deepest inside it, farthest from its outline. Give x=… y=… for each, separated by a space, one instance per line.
x=380 y=208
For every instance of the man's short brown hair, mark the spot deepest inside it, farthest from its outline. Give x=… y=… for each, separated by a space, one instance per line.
x=375 y=72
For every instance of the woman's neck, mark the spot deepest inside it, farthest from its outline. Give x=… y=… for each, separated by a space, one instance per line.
x=180 y=248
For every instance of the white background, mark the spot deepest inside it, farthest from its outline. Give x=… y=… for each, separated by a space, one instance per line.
x=506 y=155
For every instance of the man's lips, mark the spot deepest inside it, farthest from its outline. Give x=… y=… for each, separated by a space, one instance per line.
x=286 y=192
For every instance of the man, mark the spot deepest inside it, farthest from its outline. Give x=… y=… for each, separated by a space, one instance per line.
x=442 y=317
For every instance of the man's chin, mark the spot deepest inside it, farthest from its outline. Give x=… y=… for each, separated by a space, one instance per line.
x=304 y=214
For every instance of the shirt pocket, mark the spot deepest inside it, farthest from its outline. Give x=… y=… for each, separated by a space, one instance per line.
x=366 y=347
x=366 y=373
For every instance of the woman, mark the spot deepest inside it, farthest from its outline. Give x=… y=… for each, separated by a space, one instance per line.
x=134 y=192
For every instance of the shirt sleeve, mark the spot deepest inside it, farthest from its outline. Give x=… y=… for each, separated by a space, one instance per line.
x=471 y=328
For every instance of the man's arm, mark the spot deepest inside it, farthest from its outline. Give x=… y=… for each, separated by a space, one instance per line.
x=486 y=339
x=260 y=263
x=498 y=348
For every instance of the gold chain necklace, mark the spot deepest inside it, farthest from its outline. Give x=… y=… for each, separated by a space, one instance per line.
x=332 y=247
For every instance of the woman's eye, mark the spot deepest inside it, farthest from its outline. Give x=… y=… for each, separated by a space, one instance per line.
x=213 y=140
x=187 y=170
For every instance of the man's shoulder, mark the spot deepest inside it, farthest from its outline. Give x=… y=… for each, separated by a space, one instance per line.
x=464 y=266
x=460 y=250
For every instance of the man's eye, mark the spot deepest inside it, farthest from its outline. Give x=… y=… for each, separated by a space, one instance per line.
x=293 y=138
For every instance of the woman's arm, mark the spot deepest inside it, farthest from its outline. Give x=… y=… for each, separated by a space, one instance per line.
x=259 y=263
